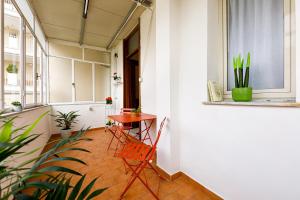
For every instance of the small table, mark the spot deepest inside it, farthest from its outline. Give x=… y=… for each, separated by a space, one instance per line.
x=126 y=118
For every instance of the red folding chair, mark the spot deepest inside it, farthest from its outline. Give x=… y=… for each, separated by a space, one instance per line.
x=142 y=154
x=117 y=131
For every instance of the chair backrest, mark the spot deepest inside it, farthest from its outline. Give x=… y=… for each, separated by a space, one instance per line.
x=157 y=137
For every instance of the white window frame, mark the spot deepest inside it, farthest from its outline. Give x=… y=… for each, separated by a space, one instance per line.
x=289 y=55
x=22 y=51
x=74 y=101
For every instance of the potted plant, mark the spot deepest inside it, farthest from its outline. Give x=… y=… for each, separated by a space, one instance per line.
x=108 y=100
x=116 y=77
x=65 y=121
x=242 y=92
x=16 y=106
x=21 y=170
x=137 y=111
x=12 y=74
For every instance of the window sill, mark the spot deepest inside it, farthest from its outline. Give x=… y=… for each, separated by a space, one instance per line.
x=8 y=114
x=257 y=103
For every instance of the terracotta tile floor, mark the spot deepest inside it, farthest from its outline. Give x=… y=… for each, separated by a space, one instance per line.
x=112 y=174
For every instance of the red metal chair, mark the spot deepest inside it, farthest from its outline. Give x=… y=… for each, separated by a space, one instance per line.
x=142 y=154
x=117 y=131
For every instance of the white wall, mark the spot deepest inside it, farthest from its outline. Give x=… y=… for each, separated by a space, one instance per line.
x=27 y=118
x=91 y=115
x=237 y=152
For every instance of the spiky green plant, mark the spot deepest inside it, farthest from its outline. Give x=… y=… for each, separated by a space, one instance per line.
x=16 y=179
x=238 y=67
x=65 y=120
x=246 y=82
x=235 y=72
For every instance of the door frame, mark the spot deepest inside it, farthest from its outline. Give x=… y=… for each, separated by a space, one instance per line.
x=126 y=56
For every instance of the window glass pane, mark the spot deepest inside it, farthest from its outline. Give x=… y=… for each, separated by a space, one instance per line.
x=29 y=67
x=133 y=42
x=12 y=24
x=45 y=73
x=60 y=77
x=102 y=82
x=257 y=26
x=39 y=75
x=83 y=81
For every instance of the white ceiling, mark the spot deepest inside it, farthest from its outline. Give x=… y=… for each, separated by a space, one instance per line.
x=61 y=19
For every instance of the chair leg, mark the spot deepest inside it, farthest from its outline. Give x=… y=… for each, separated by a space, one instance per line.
x=157 y=172
x=110 y=142
x=135 y=175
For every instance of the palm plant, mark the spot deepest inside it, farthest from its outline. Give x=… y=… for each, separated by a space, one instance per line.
x=45 y=182
x=65 y=120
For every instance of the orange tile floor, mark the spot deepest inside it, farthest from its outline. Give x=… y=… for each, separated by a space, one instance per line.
x=111 y=173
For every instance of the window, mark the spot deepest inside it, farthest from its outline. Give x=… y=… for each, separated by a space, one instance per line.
x=60 y=74
x=74 y=80
x=83 y=81
x=22 y=75
x=263 y=28
x=12 y=55
x=39 y=75
x=29 y=68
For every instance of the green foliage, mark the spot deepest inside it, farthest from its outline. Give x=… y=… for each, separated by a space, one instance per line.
x=238 y=67
x=138 y=110
x=65 y=120
x=11 y=68
x=15 y=179
x=16 y=103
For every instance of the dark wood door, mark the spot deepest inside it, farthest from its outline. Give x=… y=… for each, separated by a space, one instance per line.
x=132 y=69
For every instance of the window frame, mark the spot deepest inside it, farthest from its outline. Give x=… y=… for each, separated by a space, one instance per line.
x=22 y=51
x=289 y=55
x=74 y=101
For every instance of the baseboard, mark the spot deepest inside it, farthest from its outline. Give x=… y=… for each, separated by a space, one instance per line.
x=173 y=177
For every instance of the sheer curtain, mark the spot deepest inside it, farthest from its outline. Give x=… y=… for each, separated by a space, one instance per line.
x=257 y=26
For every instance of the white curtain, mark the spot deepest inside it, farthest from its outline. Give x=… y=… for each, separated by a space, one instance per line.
x=257 y=26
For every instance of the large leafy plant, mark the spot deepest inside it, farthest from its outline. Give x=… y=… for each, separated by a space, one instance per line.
x=50 y=182
x=238 y=66
x=65 y=120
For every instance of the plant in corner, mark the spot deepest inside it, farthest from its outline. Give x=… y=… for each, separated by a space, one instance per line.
x=16 y=106
x=65 y=121
x=242 y=92
x=21 y=171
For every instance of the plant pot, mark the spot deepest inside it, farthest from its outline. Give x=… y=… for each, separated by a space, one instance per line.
x=65 y=133
x=242 y=94
x=17 y=108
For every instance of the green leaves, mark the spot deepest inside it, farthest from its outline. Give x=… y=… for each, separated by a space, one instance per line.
x=47 y=181
x=238 y=66
x=65 y=120
x=248 y=60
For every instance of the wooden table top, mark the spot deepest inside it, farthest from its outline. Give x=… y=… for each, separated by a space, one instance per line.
x=130 y=117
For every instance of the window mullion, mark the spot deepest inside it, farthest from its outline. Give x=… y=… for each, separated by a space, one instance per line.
x=94 y=82
x=22 y=62
x=34 y=71
x=42 y=77
x=2 y=55
x=73 y=82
